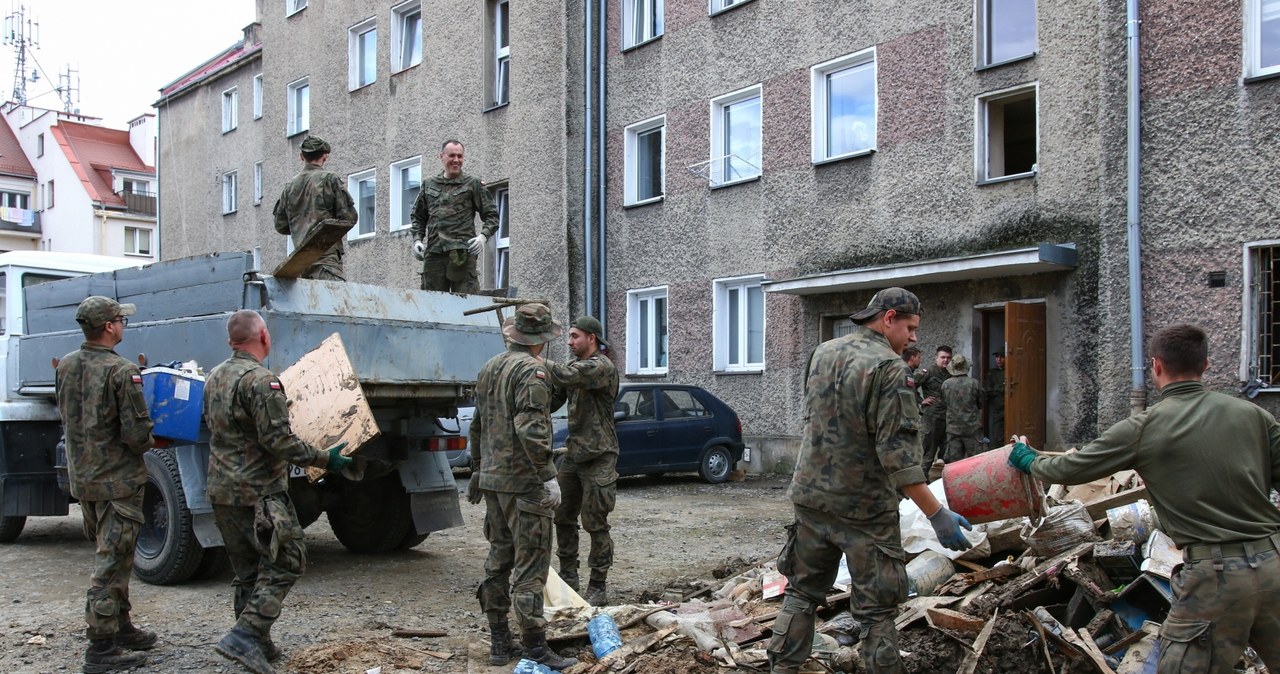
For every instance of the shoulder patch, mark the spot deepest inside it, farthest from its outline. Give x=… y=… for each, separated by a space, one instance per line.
x=275 y=385
x=540 y=374
x=137 y=379
x=911 y=381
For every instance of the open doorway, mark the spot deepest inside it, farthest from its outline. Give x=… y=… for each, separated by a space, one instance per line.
x=1017 y=329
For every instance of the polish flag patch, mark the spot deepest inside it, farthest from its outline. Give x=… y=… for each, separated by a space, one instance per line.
x=275 y=386
x=540 y=374
x=137 y=379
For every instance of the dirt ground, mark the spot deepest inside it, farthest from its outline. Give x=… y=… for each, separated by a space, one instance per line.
x=668 y=531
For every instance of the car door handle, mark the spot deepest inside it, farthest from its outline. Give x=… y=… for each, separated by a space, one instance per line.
x=651 y=432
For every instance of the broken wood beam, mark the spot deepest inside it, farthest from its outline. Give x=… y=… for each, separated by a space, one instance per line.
x=1046 y=569
x=406 y=633
x=953 y=620
x=970 y=662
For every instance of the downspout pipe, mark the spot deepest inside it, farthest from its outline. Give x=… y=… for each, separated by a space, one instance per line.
x=587 y=178
x=602 y=128
x=1138 y=389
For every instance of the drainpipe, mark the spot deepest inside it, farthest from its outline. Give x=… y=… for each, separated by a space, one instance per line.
x=588 y=117
x=601 y=132
x=1138 y=389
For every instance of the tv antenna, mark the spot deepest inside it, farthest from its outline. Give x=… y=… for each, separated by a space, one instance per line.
x=68 y=92
x=23 y=34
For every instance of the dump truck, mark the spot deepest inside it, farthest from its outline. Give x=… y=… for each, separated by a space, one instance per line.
x=415 y=353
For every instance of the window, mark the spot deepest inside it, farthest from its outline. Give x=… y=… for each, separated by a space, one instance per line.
x=735 y=137
x=299 y=106
x=257 y=96
x=229 y=192
x=292 y=7
x=641 y=21
x=406 y=36
x=406 y=182
x=362 y=48
x=500 y=73
x=738 y=308
x=637 y=405
x=718 y=6
x=49 y=204
x=647 y=331
x=15 y=200
x=680 y=404
x=135 y=186
x=1262 y=314
x=844 y=106
x=1007 y=134
x=363 y=189
x=1008 y=31
x=257 y=183
x=502 y=239
x=229 y=118
x=137 y=241
x=646 y=160
x=39 y=144
x=1262 y=37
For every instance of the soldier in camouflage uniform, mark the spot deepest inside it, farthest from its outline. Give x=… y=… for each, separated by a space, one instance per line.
x=1209 y=462
x=250 y=447
x=588 y=475
x=963 y=396
x=860 y=448
x=512 y=471
x=312 y=196
x=444 y=229
x=994 y=386
x=108 y=429
x=929 y=382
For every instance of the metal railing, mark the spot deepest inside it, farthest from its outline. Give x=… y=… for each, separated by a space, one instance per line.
x=143 y=203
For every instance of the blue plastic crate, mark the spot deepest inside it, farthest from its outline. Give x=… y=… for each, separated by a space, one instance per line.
x=176 y=400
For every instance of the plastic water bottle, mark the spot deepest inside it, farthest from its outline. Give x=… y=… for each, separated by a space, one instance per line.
x=527 y=666
x=604 y=634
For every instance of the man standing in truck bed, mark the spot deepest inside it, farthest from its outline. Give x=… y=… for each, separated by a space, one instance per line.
x=108 y=429
x=444 y=229
x=315 y=195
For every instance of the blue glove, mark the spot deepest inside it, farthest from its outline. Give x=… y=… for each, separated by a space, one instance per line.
x=337 y=461
x=946 y=525
x=1022 y=457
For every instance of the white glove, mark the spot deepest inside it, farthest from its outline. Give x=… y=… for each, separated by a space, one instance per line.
x=553 y=493
x=476 y=245
x=419 y=250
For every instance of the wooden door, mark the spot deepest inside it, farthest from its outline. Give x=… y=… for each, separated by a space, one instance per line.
x=1025 y=386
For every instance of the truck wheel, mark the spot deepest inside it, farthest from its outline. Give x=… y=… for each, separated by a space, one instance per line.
x=373 y=516
x=412 y=539
x=716 y=464
x=10 y=527
x=168 y=551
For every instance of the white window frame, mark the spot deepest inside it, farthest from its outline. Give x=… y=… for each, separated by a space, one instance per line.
x=631 y=182
x=500 y=247
x=720 y=321
x=1253 y=40
x=719 y=151
x=1250 y=325
x=819 y=102
x=298 y=121
x=292 y=7
x=39 y=145
x=649 y=8
x=640 y=300
x=399 y=14
x=982 y=144
x=353 y=188
x=501 y=56
x=230 y=110
x=131 y=241
x=718 y=6
x=230 y=192
x=355 y=56
x=982 y=41
x=397 y=191
x=257 y=183
x=257 y=96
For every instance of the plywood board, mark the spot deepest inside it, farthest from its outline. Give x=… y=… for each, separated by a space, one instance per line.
x=318 y=240
x=326 y=403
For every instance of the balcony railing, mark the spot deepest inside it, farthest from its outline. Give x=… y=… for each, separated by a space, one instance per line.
x=143 y=203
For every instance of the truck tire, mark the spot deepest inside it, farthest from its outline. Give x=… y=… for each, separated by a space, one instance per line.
x=373 y=516
x=168 y=551
x=10 y=527
x=412 y=539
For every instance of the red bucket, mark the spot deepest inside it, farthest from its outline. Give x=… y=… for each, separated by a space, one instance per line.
x=985 y=488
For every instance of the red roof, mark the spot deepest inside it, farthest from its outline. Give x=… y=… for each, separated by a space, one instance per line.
x=233 y=55
x=13 y=161
x=93 y=152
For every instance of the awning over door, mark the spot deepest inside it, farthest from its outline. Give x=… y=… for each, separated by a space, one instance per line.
x=1046 y=257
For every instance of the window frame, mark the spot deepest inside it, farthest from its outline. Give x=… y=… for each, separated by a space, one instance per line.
x=719 y=106
x=230 y=192
x=51 y=200
x=631 y=153
x=292 y=7
x=135 y=251
x=637 y=299
x=720 y=323
x=257 y=96
x=651 y=7
x=355 y=55
x=353 y=188
x=257 y=183
x=297 y=123
x=500 y=246
x=230 y=110
x=1251 y=301
x=982 y=135
x=398 y=15
x=500 y=57
x=982 y=40
x=397 y=193
x=715 y=7
x=819 y=103
x=1253 y=68
x=39 y=145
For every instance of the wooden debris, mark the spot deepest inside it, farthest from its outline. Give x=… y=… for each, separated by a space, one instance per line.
x=953 y=620
x=618 y=658
x=918 y=608
x=1051 y=567
x=406 y=633
x=1044 y=642
x=628 y=623
x=970 y=662
x=1091 y=649
x=317 y=241
x=1098 y=507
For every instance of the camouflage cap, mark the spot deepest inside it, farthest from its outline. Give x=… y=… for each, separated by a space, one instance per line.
x=531 y=325
x=898 y=299
x=959 y=366
x=96 y=311
x=591 y=326
x=314 y=144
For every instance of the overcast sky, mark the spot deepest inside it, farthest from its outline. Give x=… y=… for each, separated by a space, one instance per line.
x=125 y=50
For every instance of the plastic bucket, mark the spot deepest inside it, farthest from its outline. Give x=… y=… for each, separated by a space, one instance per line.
x=985 y=488
x=1133 y=522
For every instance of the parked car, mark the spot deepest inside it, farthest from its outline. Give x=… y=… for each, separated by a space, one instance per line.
x=459 y=458
x=671 y=428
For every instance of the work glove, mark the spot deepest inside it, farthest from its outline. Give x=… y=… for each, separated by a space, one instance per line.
x=474 y=493
x=946 y=525
x=1021 y=457
x=553 y=493
x=337 y=462
x=419 y=250
x=476 y=245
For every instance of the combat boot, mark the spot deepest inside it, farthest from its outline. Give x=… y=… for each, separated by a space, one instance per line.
x=103 y=655
x=270 y=650
x=503 y=646
x=536 y=649
x=130 y=637
x=241 y=646
x=570 y=577
x=597 y=595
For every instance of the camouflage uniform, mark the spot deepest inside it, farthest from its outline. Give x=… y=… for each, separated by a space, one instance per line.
x=994 y=387
x=588 y=475
x=310 y=197
x=963 y=395
x=444 y=216
x=861 y=444
x=934 y=424
x=108 y=430
x=250 y=445
x=1209 y=462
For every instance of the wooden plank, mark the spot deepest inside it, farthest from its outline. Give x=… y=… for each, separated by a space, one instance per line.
x=406 y=633
x=317 y=241
x=1095 y=655
x=1098 y=508
x=1044 y=642
x=970 y=662
x=1050 y=567
x=953 y=620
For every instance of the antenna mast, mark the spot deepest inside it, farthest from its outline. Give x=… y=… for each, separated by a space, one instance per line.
x=21 y=33
x=68 y=91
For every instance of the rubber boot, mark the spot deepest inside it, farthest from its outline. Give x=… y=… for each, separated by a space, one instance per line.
x=130 y=637
x=536 y=649
x=597 y=595
x=242 y=647
x=103 y=655
x=503 y=647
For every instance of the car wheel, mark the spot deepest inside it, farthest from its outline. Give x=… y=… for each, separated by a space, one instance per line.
x=10 y=527
x=715 y=464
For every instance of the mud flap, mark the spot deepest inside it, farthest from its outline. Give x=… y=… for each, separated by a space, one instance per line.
x=435 y=510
